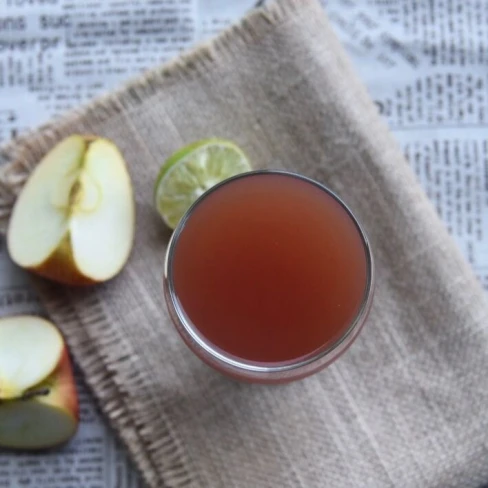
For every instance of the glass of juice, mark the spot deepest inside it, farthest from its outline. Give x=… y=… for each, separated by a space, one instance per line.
x=269 y=277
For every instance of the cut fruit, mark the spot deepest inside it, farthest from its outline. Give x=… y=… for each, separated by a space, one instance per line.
x=48 y=415
x=30 y=350
x=73 y=221
x=193 y=170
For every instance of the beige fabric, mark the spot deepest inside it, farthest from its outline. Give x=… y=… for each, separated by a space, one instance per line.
x=404 y=407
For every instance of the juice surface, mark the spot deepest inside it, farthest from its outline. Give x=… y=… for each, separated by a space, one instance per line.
x=270 y=268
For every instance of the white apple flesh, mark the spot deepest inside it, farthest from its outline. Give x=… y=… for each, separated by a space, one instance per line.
x=46 y=417
x=30 y=350
x=74 y=220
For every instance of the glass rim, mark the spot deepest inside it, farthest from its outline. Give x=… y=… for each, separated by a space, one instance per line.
x=256 y=367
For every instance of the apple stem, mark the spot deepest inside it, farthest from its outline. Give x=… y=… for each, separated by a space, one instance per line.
x=35 y=393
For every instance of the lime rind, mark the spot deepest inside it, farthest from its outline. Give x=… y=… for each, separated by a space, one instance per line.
x=191 y=171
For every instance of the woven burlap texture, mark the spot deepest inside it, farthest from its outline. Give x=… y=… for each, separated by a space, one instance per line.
x=404 y=407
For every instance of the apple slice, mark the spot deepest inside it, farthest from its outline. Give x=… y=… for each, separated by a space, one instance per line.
x=74 y=220
x=46 y=417
x=30 y=350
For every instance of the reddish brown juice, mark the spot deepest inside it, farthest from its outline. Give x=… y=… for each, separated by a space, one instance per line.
x=270 y=268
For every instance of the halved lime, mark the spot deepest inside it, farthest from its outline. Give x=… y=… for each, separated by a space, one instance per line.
x=193 y=170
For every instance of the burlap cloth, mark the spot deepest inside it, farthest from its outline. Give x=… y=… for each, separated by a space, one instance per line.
x=405 y=407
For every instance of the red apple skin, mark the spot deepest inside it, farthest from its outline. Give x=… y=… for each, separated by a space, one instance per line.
x=61 y=395
x=63 y=392
x=61 y=268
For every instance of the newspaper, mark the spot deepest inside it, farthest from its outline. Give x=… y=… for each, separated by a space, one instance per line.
x=424 y=64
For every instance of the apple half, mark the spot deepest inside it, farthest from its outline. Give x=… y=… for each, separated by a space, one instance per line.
x=74 y=220
x=46 y=416
x=30 y=350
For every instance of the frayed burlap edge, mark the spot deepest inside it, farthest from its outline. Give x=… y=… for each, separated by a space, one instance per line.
x=18 y=157
x=17 y=160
